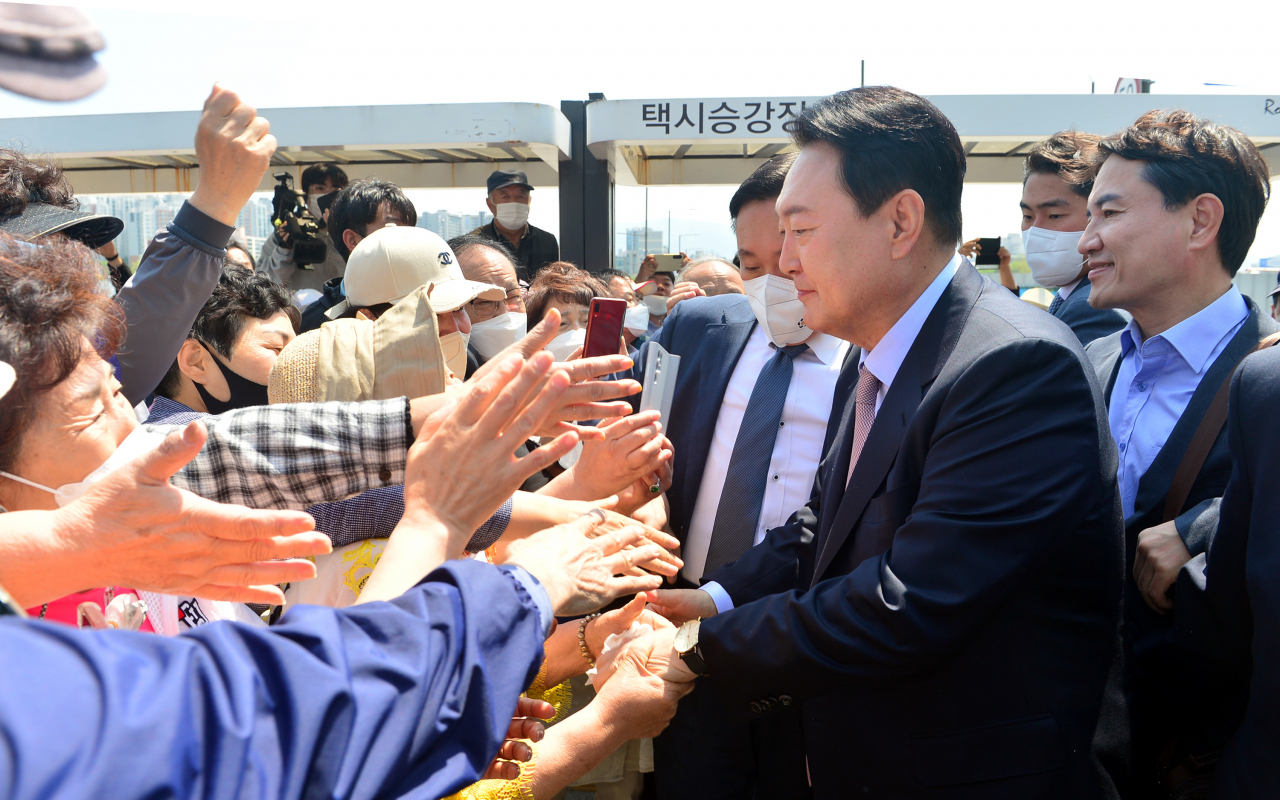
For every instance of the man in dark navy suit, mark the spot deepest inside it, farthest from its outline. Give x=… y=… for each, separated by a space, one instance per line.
x=945 y=611
x=1175 y=205
x=748 y=424
x=1228 y=608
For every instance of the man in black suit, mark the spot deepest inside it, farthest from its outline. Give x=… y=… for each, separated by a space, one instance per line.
x=945 y=610
x=1174 y=208
x=1228 y=609
x=741 y=465
x=1055 y=193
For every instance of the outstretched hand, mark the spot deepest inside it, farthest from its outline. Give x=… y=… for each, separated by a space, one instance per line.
x=582 y=574
x=682 y=605
x=463 y=467
x=587 y=398
x=525 y=725
x=147 y=534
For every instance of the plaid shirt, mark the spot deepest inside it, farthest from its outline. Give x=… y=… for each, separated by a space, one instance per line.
x=373 y=514
x=294 y=456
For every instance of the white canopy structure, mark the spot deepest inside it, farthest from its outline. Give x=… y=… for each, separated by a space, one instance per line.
x=584 y=147
x=411 y=145
x=721 y=140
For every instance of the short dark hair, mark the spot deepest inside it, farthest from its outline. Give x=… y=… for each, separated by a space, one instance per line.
x=470 y=241
x=49 y=305
x=763 y=184
x=24 y=181
x=890 y=140
x=239 y=296
x=253 y=262
x=1066 y=154
x=607 y=275
x=356 y=207
x=1187 y=156
x=561 y=281
x=321 y=173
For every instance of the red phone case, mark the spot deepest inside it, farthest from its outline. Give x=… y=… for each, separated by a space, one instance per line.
x=604 y=327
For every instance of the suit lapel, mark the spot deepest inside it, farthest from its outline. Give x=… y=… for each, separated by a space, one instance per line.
x=925 y=359
x=1153 y=487
x=718 y=354
x=1078 y=295
x=1105 y=356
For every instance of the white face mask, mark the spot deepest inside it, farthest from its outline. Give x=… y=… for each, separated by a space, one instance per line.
x=777 y=309
x=563 y=345
x=656 y=305
x=138 y=443
x=1052 y=255
x=454 y=346
x=313 y=205
x=495 y=335
x=512 y=216
x=636 y=319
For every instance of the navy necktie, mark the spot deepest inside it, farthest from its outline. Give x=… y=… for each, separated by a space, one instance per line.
x=1056 y=304
x=738 y=513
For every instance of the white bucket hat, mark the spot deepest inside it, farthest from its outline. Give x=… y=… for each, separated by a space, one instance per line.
x=390 y=264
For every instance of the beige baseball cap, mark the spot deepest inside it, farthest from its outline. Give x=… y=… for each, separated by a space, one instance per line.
x=389 y=264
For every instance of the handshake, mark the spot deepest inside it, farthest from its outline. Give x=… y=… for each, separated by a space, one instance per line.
x=648 y=647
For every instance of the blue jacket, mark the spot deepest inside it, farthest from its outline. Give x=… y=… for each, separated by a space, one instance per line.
x=408 y=698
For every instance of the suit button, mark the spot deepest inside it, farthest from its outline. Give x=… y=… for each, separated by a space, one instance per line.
x=755 y=707
x=385 y=475
x=785 y=699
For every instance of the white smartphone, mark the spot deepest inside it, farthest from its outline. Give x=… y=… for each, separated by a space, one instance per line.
x=659 y=382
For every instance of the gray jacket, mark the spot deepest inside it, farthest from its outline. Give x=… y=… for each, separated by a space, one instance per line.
x=277 y=263
x=174 y=279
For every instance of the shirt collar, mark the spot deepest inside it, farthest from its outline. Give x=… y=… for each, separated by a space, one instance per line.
x=162 y=407
x=1065 y=291
x=891 y=351
x=825 y=346
x=1197 y=336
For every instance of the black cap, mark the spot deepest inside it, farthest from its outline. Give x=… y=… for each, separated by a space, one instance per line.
x=501 y=178
x=41 y=219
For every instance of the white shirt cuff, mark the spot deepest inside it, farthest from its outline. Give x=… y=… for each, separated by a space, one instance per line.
x=723 y=601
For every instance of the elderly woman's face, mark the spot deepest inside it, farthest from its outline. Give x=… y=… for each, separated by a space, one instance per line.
x=572 y=315
x=81 y=423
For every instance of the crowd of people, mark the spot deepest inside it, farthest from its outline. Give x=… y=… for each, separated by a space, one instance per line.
x=373 y=526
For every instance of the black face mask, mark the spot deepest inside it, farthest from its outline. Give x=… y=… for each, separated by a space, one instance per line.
x=244 y=392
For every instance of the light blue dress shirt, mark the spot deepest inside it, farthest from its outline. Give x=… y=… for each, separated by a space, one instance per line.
x=1157 y=379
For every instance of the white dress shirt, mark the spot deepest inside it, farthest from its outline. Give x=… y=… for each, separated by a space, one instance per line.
x=1157 y=379
x=883 y=362
x=796 y=450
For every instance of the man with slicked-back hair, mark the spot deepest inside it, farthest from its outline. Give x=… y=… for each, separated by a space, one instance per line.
x=947 y=630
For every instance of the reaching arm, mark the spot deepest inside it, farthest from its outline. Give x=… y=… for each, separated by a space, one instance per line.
x=294 y=456
x=180 y=268
x=415 y=695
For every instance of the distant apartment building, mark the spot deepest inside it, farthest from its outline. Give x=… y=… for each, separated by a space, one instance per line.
x=639 y=242
x=449 y=225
